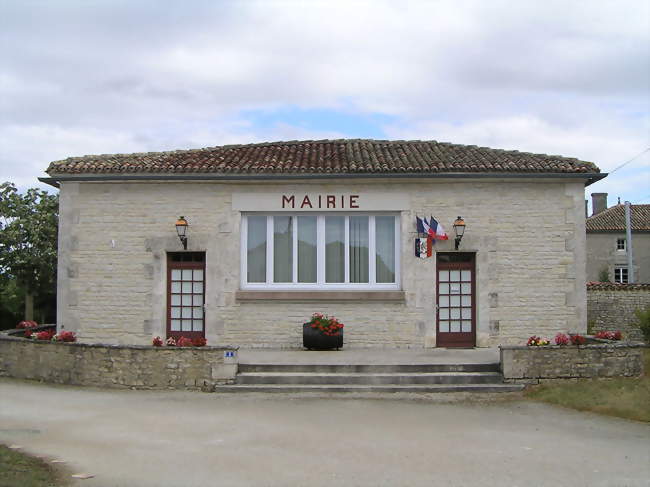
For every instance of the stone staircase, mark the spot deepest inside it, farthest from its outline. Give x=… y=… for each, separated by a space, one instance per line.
x=375 y=378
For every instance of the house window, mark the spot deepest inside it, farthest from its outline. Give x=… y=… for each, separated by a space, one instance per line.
x=620 y=244
x=320 y=251
x=620 y=275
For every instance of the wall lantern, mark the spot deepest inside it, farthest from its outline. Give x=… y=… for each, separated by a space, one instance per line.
x=181 y=230
x=459 y=230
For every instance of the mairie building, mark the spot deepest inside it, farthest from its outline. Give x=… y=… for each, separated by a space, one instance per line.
x=274 y=232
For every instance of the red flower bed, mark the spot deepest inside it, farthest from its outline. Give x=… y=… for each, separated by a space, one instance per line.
x=44 y=335
x=27 y=324
x=66 y=336
x=609 y=335
x=578 y=340
x=183 y=342
x=157 y=342
x=199 y=342
x=329 y=326
x=561 y=339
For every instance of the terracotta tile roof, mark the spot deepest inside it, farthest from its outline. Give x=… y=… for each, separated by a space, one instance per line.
x=326 y=157
x=613 y=219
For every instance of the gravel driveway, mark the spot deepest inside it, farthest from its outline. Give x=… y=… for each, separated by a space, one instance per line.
x=143 y=438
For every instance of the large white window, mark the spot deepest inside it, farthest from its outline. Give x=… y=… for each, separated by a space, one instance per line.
x=320 y=251
x=620 y=275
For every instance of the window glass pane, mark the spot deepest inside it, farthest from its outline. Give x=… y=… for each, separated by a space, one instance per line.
x=187 y=300
x=443 y=288
x=454 y=275
x=176 y=287
x=186 y=313
x=197 y=287
x=444 y=326
x=455 y=313
x=176 y=274
x=176 y=300
x=466 y=288
x=197 y=312
x=443 y=276
x=176 y=325
x=176 y=312
x=454 y=288
x=444 y=301
x=466 y=275
x=444 y=313
x=385 y=245
x=467 y=313
x=467 y=326
x=282 y=249
x=187 y=274
x=359 y=249
x=454 y=301
x=187 y=287
x=467 y=300
x=454 y=326
x=256 y=246
x=307 y=249
x=334 y=249
x=186 y=325
x=198 y=275
x=198 y=300
x=197 y=325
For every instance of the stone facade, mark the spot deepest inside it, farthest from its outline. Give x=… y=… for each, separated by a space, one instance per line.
x=611 y=307
x=528 y=235
x=602 y=254
x=534 y=364
x=139 y=367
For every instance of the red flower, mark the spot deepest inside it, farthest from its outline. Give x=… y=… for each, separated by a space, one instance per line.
x=578 y=340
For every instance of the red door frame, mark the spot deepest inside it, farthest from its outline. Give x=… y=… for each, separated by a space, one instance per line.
x=453 y=339
x=184 y=264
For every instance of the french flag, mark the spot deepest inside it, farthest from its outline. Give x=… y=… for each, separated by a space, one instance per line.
x=436 y=230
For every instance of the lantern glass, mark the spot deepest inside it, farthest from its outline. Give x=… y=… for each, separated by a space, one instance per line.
x=181 y=226
x=459 y=227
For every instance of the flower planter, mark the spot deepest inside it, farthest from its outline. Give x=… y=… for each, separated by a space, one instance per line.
x=314 y=339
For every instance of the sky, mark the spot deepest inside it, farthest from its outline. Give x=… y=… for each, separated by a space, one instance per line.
x=556 y=77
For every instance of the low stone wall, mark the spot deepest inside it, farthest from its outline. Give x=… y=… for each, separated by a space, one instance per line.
x=534 y=364
x=140 y=367
x=612 y=306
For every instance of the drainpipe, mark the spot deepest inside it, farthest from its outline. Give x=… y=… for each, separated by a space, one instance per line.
x=628 y=242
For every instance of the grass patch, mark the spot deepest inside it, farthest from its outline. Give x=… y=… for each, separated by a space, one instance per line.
x=623 y=397
x=20 y=470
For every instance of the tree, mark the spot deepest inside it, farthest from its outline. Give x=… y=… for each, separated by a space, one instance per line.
x=28 y=240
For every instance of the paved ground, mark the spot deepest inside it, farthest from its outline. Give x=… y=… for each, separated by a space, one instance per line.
x=371 y=356
x=140 y=438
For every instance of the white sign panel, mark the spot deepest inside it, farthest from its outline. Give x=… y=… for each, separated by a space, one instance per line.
x=296 y=201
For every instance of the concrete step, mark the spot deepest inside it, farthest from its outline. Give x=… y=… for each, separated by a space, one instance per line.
x=366 y=368
x=393 y=388
x=336 y=378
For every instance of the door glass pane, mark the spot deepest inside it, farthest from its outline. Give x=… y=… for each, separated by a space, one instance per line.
x=359 y=249
x=306 y=249
x=467 y=313
x=466 y=275
x=197 y=288
x=197 y=325
x=454 y=288
x=187 y=274
x=334 y=249
x=455 y=313
x=467 y=300
x=454 y=326
x=197 y=300
x=466 y=327
x=443 y=288
x=176 y=274
x=186 y=313
x=444 y=326
x=176 y=300
x=256 y=249
x=176 y=312
x=454 y=275
x=443 y=276
x=176 y=287
x=198 y=274
x=186 y=325
x=385 y=245
x=444 y=313
x=454 y=300
x=197 y=312
x=282 y=249
x=466 y=288
x=443 y=301
x=187 y=300
x=176 y=325
x=187 y=287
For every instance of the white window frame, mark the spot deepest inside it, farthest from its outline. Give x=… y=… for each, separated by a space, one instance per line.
x=624 y=249
x=620 y=280
x=320 y=284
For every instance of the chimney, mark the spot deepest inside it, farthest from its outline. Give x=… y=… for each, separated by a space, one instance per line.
x=598 y=203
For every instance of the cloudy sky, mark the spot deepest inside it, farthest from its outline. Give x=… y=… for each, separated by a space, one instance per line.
x=557 y=77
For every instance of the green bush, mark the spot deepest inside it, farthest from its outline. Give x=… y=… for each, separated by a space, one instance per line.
x=603 y=275
x=643 y=317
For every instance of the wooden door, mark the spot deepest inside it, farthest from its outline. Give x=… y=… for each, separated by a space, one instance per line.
x=455 y=298
x=186 y=294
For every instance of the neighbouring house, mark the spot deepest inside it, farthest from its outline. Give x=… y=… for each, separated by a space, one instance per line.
x=278 y=231
x=607 y=245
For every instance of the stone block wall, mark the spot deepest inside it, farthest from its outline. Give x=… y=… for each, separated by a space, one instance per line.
x=528 y=236
x=612 y=306
x=140 y=367
x=534 y=364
